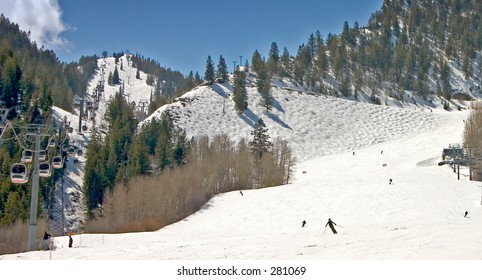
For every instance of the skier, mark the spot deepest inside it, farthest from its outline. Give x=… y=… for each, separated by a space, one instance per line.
x=331 y=223
x=46 y=240
x=390 y=181
x=241 y=193
x=303 y=223
x=71 y=241
x=466 y=213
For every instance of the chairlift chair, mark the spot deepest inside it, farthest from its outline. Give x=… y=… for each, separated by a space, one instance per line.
x=19 y=173
x=27 y=156
x=57 y=162
x=44 y=169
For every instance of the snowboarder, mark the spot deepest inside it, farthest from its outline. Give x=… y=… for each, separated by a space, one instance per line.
x=303 y=223
x=331 y=223
x=390 y=181
x=466 y=213
x=46 y=240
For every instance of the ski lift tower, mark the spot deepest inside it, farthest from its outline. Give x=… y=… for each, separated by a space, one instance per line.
x=32 y=229
x=141 y=106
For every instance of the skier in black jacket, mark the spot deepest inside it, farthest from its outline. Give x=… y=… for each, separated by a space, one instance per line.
x=331 y=224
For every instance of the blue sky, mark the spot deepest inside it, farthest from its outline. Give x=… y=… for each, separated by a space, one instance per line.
x=180 y=34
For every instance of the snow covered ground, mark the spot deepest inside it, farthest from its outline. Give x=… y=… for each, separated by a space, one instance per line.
x=419 y=216
x=347 y=151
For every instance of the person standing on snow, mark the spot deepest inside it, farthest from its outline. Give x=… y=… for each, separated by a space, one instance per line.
x=303 y=223
x=332 y=225
x=47 y=241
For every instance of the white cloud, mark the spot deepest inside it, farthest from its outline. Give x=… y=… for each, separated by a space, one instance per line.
x=43 y=18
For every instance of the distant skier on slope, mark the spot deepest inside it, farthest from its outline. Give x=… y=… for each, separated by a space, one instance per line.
x=331 y=224
x=466 y=213
x=46 y=240
x=390 y=181
x=303 y=223
x=71 y=241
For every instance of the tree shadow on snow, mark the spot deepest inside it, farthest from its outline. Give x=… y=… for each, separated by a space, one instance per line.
x=277 y=106
x=249 y=117
x=222 y=89
x=275 y=118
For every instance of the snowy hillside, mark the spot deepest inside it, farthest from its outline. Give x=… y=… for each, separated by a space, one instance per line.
x=135 y=90
x=71 y=188
x=313 y=124
x=419 y=216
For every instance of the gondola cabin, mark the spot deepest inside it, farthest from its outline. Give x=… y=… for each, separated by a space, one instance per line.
x=19 y=173
x=42 y=155
x=51 y=143
x=71 y=151
x=44 y=169
x=27 y=156
x=57 y=162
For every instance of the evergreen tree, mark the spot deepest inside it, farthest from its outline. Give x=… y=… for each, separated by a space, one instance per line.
x=345 y=87
x=222 y=72
x=138 y=159
x=181 y=147
x=14 y=209
x=191 y=82
x=150 y=80
x=321 y=62
x=115 y=77
x=264 y=88
x=10 y=76
x=197 y=78
x=273 y=59
x=285 y=63
x=240 y=96
x=312 y=45
x=260 y=143
x=109 y=79
x=209 y=73
x=257 y=61
x=164 y=147
x=93 y=173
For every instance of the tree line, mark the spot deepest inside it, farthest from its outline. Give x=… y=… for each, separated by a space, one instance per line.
x=407 y=45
